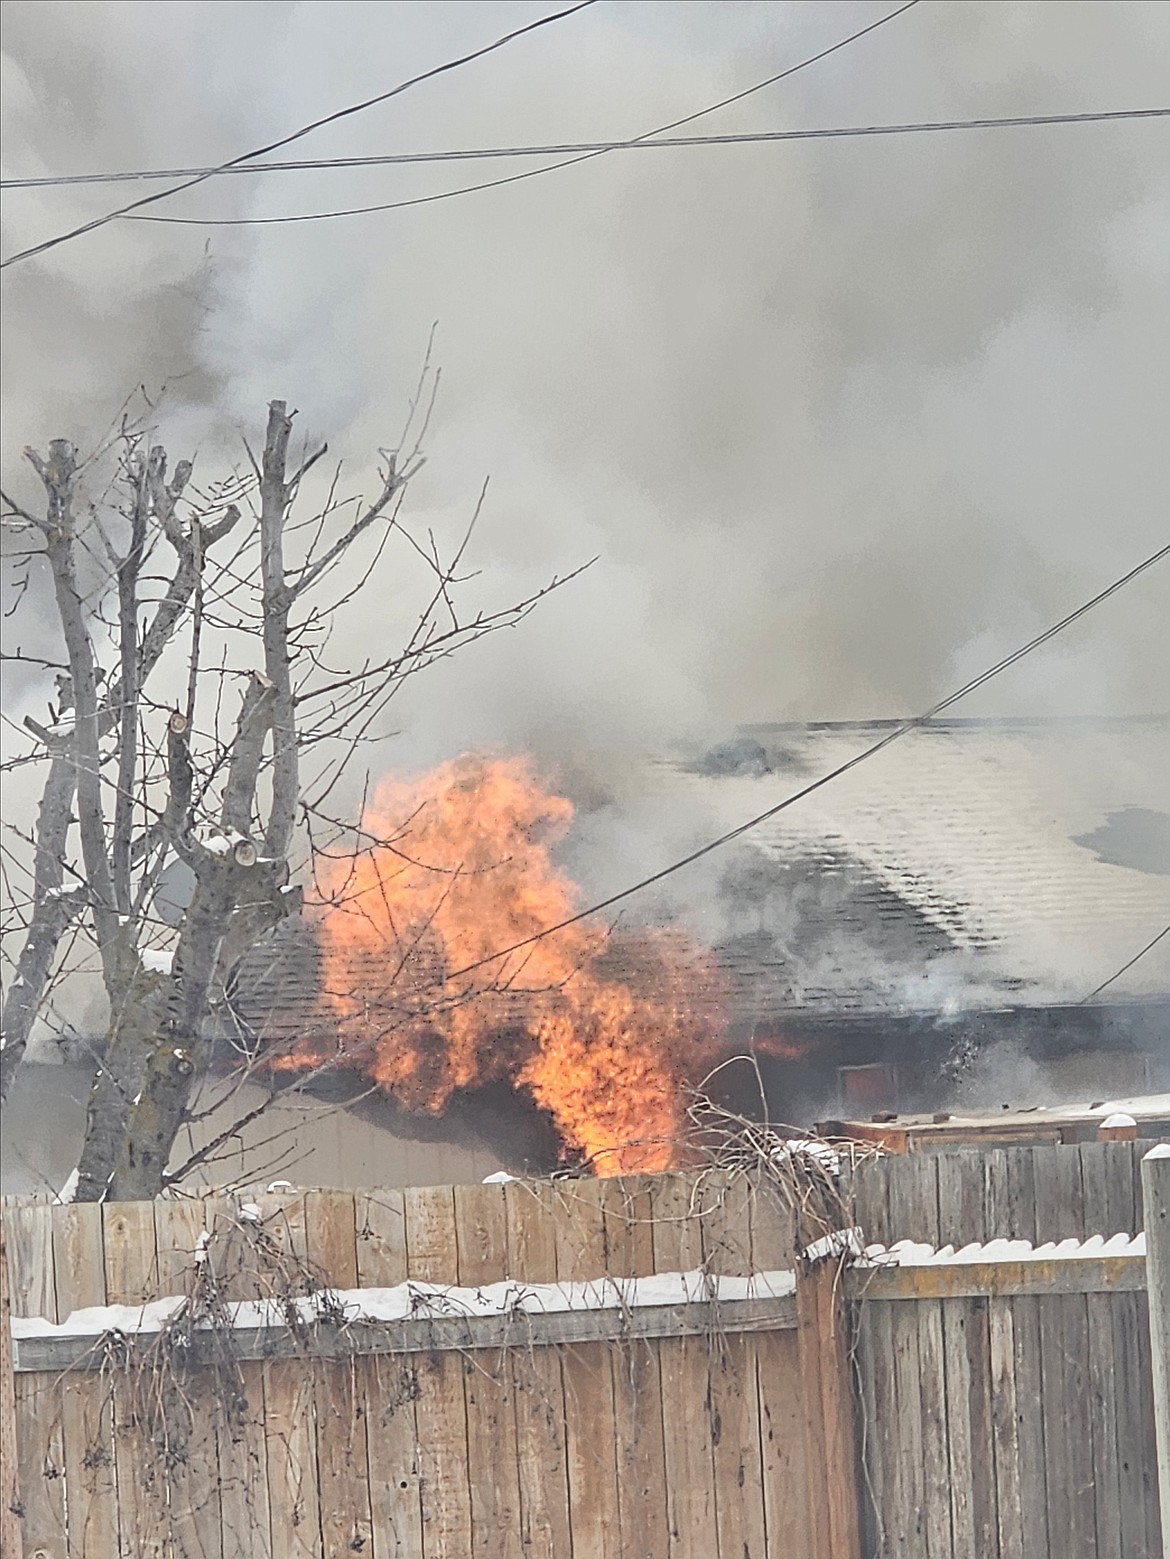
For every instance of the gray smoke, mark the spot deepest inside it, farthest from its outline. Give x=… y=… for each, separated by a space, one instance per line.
x=842 y=420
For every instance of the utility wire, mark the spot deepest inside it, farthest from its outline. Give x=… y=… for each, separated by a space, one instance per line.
x=1105 y=984
x=531 y=173
x=484 y=153
x=317 y=124
x=597 y=149
x=842 y=768
x=456 y=156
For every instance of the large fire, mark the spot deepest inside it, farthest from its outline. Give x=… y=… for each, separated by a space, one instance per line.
x=604 y=1029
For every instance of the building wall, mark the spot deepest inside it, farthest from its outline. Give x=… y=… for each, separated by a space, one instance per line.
x=299 y=1140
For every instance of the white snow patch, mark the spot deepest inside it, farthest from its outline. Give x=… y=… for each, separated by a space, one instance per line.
x=1117 y=1121
x=69 y=1190
x=500 y=1177
x=1140 y=1106
x=157 y=960
x=428 y=1301
x=201 y=1244
x=809 y=1147
x=281 y=1185
x=98 y=1320
x=248 y=1212
x=911 y=1253
x=1162 y=1150
x=842 y=1242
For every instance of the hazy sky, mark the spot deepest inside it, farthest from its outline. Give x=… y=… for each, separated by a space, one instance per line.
x=843 y=420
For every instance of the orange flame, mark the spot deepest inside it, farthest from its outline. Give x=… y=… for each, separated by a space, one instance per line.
x=781 y=1047
x=605 y=1031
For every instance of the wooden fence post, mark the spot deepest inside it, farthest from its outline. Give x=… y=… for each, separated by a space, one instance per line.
x=1156 y=1196
x=826 y=1388
x=10 y=1537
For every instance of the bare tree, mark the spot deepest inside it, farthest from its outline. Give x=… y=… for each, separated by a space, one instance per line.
x=200 y=722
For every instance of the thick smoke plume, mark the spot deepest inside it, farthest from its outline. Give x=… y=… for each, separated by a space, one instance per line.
x=842 y=420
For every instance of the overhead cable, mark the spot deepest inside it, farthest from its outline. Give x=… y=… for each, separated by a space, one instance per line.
x=871 y=751
x=317 y=124
x=531 y=173
x=1126 y=967
x=487 y=153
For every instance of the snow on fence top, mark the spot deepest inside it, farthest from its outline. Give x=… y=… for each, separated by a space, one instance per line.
x=910 y=1253
x=415 y=1301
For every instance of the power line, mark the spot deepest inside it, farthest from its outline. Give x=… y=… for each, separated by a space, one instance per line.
x=317 y=124
x=454 y=156
x=1125 y=968
x=842 y=768
x=531 y=173
x=598 y=148
x=484 y=153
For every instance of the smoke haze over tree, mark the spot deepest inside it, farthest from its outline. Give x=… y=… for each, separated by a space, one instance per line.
x=843 y=420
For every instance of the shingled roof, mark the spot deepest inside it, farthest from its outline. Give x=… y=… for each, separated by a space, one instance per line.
x=978 y=863
x=972 y=865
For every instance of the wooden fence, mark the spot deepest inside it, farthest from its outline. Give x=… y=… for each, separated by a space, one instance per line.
x=1024 y=1421
x=680 y=1445
x=898 y=1412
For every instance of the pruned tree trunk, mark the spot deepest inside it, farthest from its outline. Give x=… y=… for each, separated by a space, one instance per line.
x=137 y=780
x=53 y=907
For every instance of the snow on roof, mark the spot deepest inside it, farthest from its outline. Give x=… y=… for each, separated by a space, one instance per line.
x=972 y=865
x=1018 y=860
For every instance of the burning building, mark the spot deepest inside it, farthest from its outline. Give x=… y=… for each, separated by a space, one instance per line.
x=952 y=924
x=951 y=920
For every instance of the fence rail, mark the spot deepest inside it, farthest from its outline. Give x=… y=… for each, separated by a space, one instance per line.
x=1001 y=1279
x=98 y=1347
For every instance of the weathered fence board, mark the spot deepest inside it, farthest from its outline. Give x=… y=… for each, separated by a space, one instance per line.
x=587 y=1372
x=391 y=1387
x=1018 y=1177
x=783 y=1466
x=240 y=1437
x=1000 y=1279
x=40 y=1458
x=537 y=1383
x=10 y=1533
x=1005 y=1428
x=734 y=1410
x=1142 y=1532
x=637 y=1381
x=690 y=1463
x=290 y=1436
x=441 y=1410
x=86 y=1410
x=481 y=1233
x=340 y=1406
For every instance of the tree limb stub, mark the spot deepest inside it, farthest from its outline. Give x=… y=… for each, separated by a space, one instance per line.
x=52 y=911
x=58 y=475
x=276 y=603
x=252 y=726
